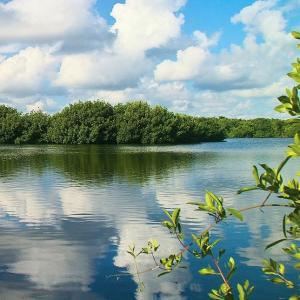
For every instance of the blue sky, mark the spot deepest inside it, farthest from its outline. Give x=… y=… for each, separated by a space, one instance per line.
x=199 y=57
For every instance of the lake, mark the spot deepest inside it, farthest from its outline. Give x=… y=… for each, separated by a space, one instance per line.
x=68 y=214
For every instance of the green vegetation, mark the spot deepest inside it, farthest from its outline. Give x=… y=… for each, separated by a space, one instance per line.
x=257 y=128
x=83 y=123
x=203 y=244
x=136 y=122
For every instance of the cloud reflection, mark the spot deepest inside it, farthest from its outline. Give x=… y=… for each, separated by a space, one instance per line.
x=61 y=227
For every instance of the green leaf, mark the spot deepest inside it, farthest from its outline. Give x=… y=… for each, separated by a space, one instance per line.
x=215 y=297
x=296 y=35
x=246 y=189
x=284 y=226
x=281 y=269
x=167 y=214
x=231 y=263
x=194 y=203
x=154 y=244
x=208 y=271
x=295 y=297
x=167 y=224
x=163 y=273
x=175 y=216
x=297 y=138
x=131 y=253
x=221 y=253
x=269 y=170
x=284 y=99
x=277 y=280
x=146 y=250
x=232 y=268
x=294 y=76
x=282 y=164
x=209 y=199
x=274 y=243
x=281 y=108
x=297 y=266
x=246 y=284
x=294 y=150
x=241 y=291
x=255 y=174
x=236 y=213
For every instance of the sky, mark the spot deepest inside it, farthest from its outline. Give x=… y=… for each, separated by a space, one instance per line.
x=207 y=58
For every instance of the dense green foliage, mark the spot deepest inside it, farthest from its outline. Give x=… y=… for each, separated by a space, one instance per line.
x=136 y=122
x=83 y=123
x=257 y=128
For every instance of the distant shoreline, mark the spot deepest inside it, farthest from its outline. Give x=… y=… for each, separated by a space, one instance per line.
x=133 y=123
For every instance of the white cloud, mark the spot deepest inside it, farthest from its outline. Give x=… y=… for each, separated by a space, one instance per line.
x=269 y=91
x=189 y=61
x=262 y=18
x=35 y=21
x=26 y=72
x=186 y=67
x=100 y=70
x=41 y=105
x=249 y=13
x=174 y=95
x=204 y=41
x=139 y=26
x=143 y=24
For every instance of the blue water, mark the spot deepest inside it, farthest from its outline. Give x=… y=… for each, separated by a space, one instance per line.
x=68 y=214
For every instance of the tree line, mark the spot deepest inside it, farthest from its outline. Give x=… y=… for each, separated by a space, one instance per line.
x=98 y=122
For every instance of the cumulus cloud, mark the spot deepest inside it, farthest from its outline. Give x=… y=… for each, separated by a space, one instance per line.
x=188 y=61
x=27 y=72
x=143 y=24
x=138 y=27
x=100 y=70
x=48 y=21
x=186 y=67
x=261 y=18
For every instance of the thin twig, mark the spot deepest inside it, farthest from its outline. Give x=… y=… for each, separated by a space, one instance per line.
x=135 y=274
x=154 y=259
x=284 y=279
x=140 y=283
x=268 y=196
x=265 y=205
x=185 y=247
x=220 y=272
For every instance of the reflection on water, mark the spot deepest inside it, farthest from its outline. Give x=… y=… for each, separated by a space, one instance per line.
x=68 y=214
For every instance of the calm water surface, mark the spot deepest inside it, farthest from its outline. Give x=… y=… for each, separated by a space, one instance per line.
x=68 y=214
